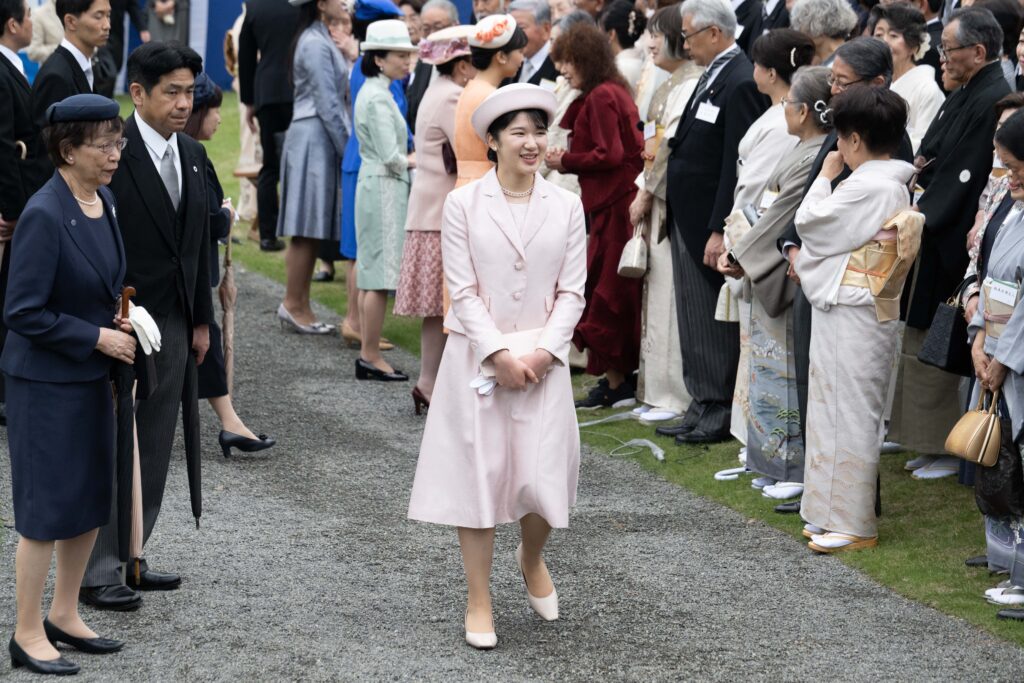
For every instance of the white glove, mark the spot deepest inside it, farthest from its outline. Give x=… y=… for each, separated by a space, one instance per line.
x=145 y=329
x=483 y=385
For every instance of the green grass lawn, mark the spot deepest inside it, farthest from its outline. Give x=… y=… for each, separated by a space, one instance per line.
x=927 y=528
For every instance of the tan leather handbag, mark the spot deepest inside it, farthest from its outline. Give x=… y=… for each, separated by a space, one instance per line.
x=976 y=435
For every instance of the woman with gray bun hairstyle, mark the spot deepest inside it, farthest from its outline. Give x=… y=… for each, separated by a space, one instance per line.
x=829 y=23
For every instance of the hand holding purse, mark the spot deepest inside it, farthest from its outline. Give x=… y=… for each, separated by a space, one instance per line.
x=976 y=435
x=633 y=262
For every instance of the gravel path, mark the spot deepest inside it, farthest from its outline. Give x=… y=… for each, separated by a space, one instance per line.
x=306 y=569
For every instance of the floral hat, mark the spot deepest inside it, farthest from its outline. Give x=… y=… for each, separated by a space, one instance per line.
x=447 y=44
x=493 y=32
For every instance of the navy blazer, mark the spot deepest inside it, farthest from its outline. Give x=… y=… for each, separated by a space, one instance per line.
x=60 y=290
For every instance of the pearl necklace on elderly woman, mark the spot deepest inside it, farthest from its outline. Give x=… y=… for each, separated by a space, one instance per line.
x=94 y=202
x=515 y=195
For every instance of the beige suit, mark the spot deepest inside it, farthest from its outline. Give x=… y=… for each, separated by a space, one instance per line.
x=435 y=125
x=47 y=32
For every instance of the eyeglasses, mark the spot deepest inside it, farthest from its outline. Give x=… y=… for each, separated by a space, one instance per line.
x=834 y=82
x=786 y=101
x=944 y=51
x=688 y=36
x=434 y=27
x=109 y=147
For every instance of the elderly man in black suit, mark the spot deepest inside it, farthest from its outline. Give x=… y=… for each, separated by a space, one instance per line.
x=265 y=88
x=534 y=17
x=701 y=182
x=24 y=167
x=435 y=16
x=69 y=70
x=160 y=188
x=956 y=157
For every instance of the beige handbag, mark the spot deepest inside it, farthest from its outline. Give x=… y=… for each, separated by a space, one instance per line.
x=976 y=435
x=633 y=262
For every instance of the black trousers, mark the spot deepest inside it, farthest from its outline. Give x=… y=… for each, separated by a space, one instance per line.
x=274 y=120
x=5 y=269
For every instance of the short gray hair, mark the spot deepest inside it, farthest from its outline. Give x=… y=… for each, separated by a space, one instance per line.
x=540 y=9
x=448 y=6
x=823 y=18
x=705 y=13
x=577 y=16
x=809 y=86
x=978 y=26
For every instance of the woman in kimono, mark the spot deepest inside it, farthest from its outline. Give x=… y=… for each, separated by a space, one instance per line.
x=855 y=333
x=998 y=354
x=382 y=191
x=903 y=29
x=625 y=24
x=501 y=442
x=660 y=386
x=775 y=446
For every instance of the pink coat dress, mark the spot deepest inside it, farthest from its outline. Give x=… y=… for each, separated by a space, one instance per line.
x=487 y=460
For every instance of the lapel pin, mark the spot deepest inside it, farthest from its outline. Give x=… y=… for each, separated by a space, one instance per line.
x=195 y=170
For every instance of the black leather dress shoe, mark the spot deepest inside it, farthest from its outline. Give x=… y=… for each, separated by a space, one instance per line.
x=272 y=245
x=673 y=430
x=700 y=436
x=116 y=598
x=366 y=370
x=150 y=580
x=788 y=508
x=92 y=646
x=53 y=667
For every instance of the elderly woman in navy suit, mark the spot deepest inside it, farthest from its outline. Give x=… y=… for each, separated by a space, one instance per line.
x=64 y=337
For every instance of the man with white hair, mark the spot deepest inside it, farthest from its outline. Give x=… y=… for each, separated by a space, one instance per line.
x=534 y=17
x=485 y=8
x=701 y=182
x=435 y=16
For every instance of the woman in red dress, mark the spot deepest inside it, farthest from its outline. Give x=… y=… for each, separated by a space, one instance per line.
x=605 y=146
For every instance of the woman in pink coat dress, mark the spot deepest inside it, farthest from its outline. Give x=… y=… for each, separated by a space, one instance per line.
x=501 y=443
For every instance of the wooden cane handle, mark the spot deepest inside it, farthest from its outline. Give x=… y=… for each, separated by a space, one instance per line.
x=126 y=294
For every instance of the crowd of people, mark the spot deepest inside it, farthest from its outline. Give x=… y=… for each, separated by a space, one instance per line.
x=739 y=217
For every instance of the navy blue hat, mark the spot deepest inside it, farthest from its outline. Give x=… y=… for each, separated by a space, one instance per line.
x=203 y=92
x=372 y=10
x=87 y=107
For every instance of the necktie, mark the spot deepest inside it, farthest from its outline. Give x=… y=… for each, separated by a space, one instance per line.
x=527 y=71
x=702 y=82
x=169 y=175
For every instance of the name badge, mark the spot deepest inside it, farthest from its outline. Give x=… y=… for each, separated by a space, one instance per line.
x=548 y=84
x=707 y=112
x=650 y=130
x=767 y=199
x=1004 y=292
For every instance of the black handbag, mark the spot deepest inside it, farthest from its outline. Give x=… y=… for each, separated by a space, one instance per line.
x=999 y=490
x=945 y=346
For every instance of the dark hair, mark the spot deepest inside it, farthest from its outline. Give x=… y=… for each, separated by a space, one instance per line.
x=73 y=7
x=63 y=136
x=11 y=9
x=417 y=5
x=448 y=68
x=878 y=115
x=1008 y=15
x=538 y=117
x=905 y=19
x=148 y=63
x=978 y=26
x=784 y=50
x=309 y=14
x=623 y=18
x=1011 y=134
x=481 y=57
x=587 y=49
x=198 y=115
x=665 y=21
x=1014 y=100
x=368 y=65
x=868 y=57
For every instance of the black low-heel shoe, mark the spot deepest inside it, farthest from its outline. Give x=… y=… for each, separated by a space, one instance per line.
x=92 y=646
x=53 y=667
x=229 y=440
x=366 y=370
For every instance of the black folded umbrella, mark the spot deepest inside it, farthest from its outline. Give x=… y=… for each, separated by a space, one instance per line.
x=193 y=454
x=123 y=377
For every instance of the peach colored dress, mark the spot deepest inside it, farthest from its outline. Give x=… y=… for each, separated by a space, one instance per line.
x=470 y=150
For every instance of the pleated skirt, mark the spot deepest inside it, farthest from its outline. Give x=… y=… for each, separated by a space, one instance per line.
x=310 y=183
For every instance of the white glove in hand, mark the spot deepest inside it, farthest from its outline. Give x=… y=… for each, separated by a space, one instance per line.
x=145 y=329
x=483 y=385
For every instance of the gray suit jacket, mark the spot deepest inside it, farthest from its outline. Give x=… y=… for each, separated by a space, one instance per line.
x=756 y=251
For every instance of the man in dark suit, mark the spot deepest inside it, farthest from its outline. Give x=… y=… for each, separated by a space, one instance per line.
x=110 y=57
x=160 y=187
x=748 y=16
x=69 y=70
x=933 y=23
x=265 y=85
x=23 y=164
x=435 y=16
x=956 y=156
x=701 y=182
x=773 y=15
x=534 y=17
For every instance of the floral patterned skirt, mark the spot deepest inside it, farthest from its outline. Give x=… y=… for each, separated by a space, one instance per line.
x=421 y=278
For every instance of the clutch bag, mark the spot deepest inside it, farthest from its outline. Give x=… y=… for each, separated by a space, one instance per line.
x=633 y=262
x=976 y=436
x=518 y=344
x=451 y=165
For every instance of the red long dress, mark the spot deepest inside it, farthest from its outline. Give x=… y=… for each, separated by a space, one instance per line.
x=605 y=153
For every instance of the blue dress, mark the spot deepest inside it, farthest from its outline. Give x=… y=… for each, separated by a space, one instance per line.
x=352 y=160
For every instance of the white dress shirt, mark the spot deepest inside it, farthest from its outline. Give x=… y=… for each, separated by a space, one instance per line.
x=157 y=146
x=532 y=65
x=13 y=58
x=84 y=62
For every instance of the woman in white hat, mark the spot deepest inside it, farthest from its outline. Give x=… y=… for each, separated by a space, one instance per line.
x=501 y=443
x=421 y=280
x=382 y=190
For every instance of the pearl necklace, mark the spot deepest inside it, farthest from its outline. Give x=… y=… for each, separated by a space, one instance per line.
x=515 y=195
x=94 y=202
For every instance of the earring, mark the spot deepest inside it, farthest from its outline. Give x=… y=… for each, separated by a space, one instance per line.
x=71 y=160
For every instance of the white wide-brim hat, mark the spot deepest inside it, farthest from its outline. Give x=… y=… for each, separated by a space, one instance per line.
x=493 y=32
x=389 y=35
x=513 y=97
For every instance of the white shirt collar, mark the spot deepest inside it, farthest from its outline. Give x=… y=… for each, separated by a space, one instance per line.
x=933 y=20
x=84 y=62
x=155 y=142
x=13 y=58
x=770 y=6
